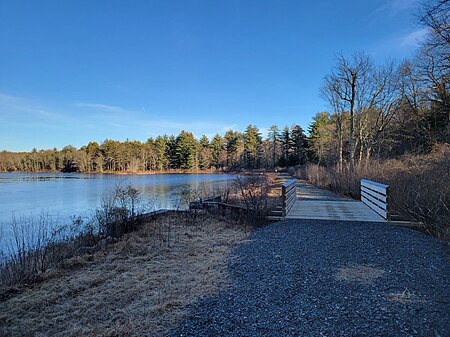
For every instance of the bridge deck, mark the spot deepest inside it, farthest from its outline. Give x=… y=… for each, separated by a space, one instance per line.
x=314 y=203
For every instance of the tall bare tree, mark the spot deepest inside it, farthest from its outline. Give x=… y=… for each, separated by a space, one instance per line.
x=348 y=80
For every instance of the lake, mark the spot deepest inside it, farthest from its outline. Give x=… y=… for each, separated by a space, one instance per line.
x=63 y=195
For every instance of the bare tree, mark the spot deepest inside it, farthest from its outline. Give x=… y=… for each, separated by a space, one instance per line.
x=381 y=104
x=434 y=63
x=348 y=80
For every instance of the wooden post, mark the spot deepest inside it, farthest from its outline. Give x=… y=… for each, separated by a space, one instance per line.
x=388 y=202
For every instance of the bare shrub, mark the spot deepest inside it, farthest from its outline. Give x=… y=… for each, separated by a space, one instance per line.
x=254 y=190
x=36 y=244
x=119 y=211
x=40 y=243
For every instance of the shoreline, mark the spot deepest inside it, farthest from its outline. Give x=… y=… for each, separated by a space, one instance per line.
x=145 y=172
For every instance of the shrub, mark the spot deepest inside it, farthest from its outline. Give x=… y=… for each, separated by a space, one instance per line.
x=40 y=243
x=254 y=192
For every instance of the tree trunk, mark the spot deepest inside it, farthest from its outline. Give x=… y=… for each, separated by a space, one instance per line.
x=352 y=116
x=340 y=143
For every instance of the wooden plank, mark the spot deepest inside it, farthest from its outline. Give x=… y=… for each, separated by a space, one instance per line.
x=290 y=188
x=375 y=201
x=379 y=211
x=290 y=182
x=333 y=210
x=289 y=206
x=289 y=199
x=276 y=212
x=408 y=224
x=289 y=193
x=379 y=196
x=381 y=188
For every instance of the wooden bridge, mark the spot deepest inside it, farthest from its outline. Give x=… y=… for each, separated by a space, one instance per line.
x=301 y=200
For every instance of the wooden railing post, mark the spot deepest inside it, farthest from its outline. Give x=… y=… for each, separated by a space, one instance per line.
x=388 y=203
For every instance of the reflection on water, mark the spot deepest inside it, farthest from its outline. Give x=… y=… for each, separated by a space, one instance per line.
x=6 y=178
x=64 y=195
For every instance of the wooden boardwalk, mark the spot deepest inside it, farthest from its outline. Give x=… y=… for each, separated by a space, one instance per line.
x=315 y=203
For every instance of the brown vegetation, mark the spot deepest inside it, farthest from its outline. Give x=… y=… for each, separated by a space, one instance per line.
x=40 y=243
x=138 y=286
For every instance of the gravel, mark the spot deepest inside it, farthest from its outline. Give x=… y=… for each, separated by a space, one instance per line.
x=330 y=278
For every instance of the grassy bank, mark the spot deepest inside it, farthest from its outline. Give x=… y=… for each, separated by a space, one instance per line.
x=141 y=284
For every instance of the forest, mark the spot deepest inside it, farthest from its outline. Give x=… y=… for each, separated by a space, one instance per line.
x=233 y=151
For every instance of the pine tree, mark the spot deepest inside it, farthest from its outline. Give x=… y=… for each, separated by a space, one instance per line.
x=233 y=140
x=286 y=144
x=216 y=149
x=274 y=138
x=204 y=153
x=298 y=142
x=186 y=151
x=252 y=141
x=161 y=151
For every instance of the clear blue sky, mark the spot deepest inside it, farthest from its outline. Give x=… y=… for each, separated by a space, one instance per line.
x=76 y=71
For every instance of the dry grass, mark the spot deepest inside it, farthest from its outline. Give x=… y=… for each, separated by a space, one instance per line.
x=358 y=273
x=139 y=286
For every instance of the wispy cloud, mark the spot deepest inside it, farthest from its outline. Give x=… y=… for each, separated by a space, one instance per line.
x=414 y=38
x=400 y=44
x=95 y=121
x=123 y=117
x=101 y=107
x=11 y=105
x=395 y=7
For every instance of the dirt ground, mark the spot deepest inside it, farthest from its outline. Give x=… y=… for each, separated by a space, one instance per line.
x=139 y=286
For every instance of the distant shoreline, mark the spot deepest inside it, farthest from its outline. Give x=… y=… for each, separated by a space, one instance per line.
x=146 y=172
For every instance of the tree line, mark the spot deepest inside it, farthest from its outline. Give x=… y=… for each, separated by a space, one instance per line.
x=235 y=150
x=387 y=110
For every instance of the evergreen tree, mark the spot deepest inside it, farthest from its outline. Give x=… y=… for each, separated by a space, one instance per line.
x=216 y=149
x=298 y=142
x=274 y=138
x=161 y=152
x=233 y=140
x=321 y=136
x=252 y=141
x=286 y=144
x=171 y=153
x=204 y=153
x=186 y=151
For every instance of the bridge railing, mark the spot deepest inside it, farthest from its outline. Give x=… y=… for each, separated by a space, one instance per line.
x=376 y=196
x=288 y=196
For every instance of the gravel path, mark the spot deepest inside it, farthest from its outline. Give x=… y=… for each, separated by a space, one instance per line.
x=328 y=278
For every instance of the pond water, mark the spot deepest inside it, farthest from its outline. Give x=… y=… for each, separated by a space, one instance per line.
x=64 y=195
